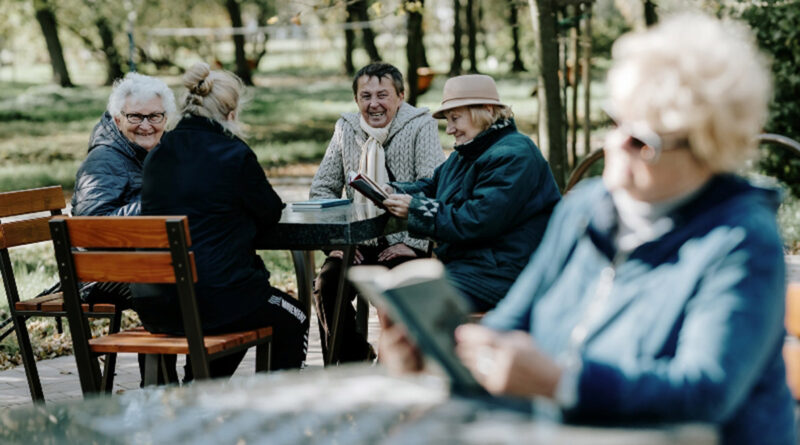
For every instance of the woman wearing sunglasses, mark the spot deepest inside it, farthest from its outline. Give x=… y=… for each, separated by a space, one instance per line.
x=657 y=292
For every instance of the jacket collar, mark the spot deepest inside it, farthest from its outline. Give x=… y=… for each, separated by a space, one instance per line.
x=405 y=114
x=474 y=148
x=107 y=134
x=716 y=194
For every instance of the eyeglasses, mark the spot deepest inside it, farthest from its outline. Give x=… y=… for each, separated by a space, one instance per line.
x=642 y=138
x=136 y=118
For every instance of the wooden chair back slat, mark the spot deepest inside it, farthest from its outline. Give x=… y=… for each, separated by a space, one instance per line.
x=28 y=231
x=793 y=309
x=127 y=267
x=120 y=232
x=31 y=201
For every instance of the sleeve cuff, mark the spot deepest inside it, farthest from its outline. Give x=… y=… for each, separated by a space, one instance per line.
x=422 y=217
x=566 y=395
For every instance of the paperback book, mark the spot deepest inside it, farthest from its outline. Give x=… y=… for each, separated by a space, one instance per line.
x=320 y=203
x=417 y=295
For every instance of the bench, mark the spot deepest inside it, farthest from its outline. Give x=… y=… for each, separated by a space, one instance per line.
x=29 y=212
x=140 y=249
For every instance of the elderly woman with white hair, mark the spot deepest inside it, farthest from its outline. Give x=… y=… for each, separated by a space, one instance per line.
x=657 y=293
x=109 y=181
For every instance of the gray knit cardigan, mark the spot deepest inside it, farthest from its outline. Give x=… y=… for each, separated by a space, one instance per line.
x=413 y=151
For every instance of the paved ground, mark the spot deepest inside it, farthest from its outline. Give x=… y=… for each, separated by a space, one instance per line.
x=59 y=376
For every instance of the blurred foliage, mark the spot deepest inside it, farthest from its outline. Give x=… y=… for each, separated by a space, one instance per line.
x=777 y=30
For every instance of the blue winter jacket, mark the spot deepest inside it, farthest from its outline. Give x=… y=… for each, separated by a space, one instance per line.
x=692 y=327
x=487 y=208
x=109 y=181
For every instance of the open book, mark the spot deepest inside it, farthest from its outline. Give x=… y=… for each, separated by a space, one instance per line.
x=417 y=295
x=367 y=187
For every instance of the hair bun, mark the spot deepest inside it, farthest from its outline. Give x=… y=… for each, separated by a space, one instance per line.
x=196 y=79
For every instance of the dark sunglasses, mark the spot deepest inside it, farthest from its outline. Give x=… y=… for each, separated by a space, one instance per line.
x=640 y=137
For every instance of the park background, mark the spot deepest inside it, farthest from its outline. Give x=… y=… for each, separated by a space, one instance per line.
x=59 y=57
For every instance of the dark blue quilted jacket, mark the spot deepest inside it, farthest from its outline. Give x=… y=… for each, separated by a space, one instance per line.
x=109 y=182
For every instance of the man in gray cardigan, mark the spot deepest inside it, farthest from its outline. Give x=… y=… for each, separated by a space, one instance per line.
x=400 y=143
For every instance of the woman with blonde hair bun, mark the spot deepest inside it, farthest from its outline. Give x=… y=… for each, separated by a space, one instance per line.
x=204 y=170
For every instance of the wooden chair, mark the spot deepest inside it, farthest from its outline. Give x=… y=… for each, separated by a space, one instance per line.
x=165 y=260
x=791 y=346
x=580 y=170
x=29 y=226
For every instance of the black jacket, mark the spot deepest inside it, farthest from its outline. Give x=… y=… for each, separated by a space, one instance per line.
x=109 y=181
x=214 y=179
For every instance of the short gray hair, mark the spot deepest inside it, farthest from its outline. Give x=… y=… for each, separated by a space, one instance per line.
x=697 y=77
x=140 y=88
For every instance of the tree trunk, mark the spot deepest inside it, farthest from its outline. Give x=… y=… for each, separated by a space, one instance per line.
x=414 y=33
x=472 y=35
x=551 y=141
x=349 y=46
x=113 y=59
x=242 y=68
x=650 y=13
x=574 y=80
x=513 y=21
x=458 y=56
x=587 y=82
x=349 y=40
x=47 y=21
x=366 y=32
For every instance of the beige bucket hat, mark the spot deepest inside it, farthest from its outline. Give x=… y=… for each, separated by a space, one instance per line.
x=471 y=89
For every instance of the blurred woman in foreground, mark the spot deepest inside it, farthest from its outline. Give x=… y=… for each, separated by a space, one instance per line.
x=657 y=293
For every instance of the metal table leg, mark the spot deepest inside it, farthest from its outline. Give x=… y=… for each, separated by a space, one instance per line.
x=304 y=272
x=341 y=290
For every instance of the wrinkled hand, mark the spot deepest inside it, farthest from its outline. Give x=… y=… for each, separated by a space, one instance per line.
x=507 y=363
x=388 y=189
x=395 y=350
x=358 y=257
x=398 y=204
x=396 y=251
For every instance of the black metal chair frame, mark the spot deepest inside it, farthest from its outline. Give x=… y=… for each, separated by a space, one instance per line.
x=18 y=318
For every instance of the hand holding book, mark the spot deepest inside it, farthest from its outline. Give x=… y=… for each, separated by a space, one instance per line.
x=417 y=295
x=367 y=187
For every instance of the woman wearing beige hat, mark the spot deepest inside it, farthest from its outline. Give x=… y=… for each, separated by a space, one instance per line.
x=488 y=205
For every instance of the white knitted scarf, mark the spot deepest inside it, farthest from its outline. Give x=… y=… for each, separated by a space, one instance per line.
x=373 y=158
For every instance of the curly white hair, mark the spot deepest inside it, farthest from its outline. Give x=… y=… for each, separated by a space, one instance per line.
x=695 y=77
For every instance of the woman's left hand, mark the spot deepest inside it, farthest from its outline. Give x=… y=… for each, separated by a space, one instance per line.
x=398 y=204
x=507 y=363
